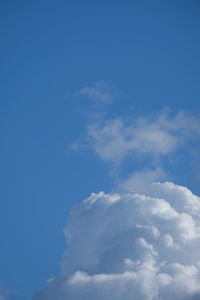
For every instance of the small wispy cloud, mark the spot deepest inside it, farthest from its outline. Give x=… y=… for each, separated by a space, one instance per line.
x=101 y=92
x=158 y=136
x=135 y=181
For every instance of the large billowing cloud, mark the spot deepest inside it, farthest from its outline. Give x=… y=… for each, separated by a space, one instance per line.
x=143 y=242
x=132 y=246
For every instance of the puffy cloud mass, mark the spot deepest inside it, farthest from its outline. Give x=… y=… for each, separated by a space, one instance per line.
x=132 y=246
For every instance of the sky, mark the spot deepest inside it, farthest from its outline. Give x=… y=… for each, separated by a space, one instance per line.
x=95 y=96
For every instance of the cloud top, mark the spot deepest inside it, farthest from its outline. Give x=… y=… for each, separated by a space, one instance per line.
x=132 y=246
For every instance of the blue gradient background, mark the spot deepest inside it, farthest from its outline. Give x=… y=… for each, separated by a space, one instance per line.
x=49 y=51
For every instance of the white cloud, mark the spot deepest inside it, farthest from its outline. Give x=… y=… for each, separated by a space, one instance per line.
x=136 y=245
x=154 y=137
x=100 y=92
x=141 y=242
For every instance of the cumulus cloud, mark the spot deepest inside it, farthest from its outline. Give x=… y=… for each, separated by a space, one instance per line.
x=101 y=92
x=154 y=137
x=141 y=242
x=134 y=245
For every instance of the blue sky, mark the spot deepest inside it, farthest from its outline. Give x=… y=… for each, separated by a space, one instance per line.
x=148 y=54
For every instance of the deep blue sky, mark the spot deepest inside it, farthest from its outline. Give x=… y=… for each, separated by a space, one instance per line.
x=49 y=51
